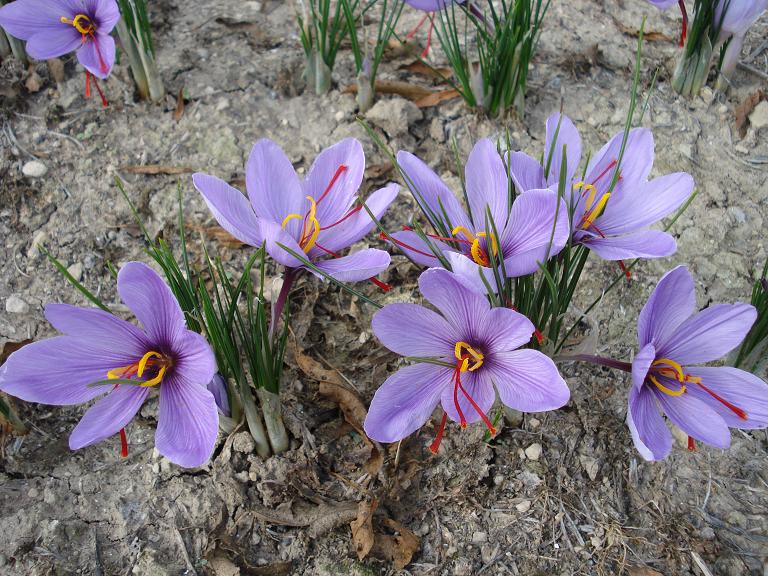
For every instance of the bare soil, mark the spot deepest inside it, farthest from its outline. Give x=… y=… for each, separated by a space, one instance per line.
x=588 y=504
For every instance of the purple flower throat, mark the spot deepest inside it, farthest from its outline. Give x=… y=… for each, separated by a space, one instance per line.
x=87 y=27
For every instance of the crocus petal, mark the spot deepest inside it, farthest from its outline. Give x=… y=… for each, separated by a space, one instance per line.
x=739 y=15
x=231 y=209
x=56 y=371
x=405 y=401
x=471 y=274
x=641 y=364
x=188 y=422
x=274 y=238
x=413 y=330
x=526 y=172
x=417 y=250
x=194 y=359
x=360 y=265
x=428 y=5
x=732 y=53
x=505 y=330
x=538 y=227
x=561 y=132
x=106 y=14
x=479 y=387
x=360 y=224
x=53 y=43
x=645 y=204
x=710 y=334
x=527 y=380
x=636 y=163
x=152 y=302
x=26 y=18
x=108 y=416
x=738 y=387
x=464 y=308
x=649 y=432
x=645 y=244
x=663 y=4
x=487 y=185
x=273 y=187
x=98 y=55
x=672 y=302
x=336 y=199
x=119 y=342
x=435 y=198
x=695 y=418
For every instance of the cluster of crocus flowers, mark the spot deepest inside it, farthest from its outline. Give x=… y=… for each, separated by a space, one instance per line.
x=465 y=354
x=304 y=224
x=104 y=358
x=518 y=236
x=611 y=221
x=53 y=28
x=703 y=401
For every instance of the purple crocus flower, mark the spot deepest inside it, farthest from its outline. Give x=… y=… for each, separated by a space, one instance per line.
x=474 y=356
x=315 y=217
x=612 y=224
x=53 y=28
x=97 y=346
x=664 y=4
x=431 y=5
x=218 y=387
x=534 y=227
x=702 y=401
x=738 y=18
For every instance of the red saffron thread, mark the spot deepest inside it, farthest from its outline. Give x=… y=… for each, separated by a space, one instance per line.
x=123 y=443
x=435 y=446
x=691 y=444
x=624 y=269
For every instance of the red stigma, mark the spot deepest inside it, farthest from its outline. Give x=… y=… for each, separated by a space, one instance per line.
x=684 y=33
x=624 y=269
x=735 y=409
x=435 y=446
x=538 y=335
x=401 y=244
x=339 y=171
x=383 y=285
x=691 y=444
x=352 y=212
x=123 y=443
x=604 y=172
x=459 y=386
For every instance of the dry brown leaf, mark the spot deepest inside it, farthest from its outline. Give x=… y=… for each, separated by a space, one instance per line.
x=378 y=170
x=744 y=109
x=404 y=89
x=33 y=82
x=11 y=347
x=219 y=234
x=648 y=36
x=436 y=98
x=56 y=69
x=418 y=67
x=398 y=549
x=179 y=112
x=362 y=527
x=153 y=169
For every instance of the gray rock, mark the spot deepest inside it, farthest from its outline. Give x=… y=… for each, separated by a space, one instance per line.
x=394 y=115
x=15 y=305
x=34 y=169
x=243 y=442
x=759 y=116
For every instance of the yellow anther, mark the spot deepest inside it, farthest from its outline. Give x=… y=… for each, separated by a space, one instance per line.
x=467 y=234
x=494 y=243
x=478 y=254
x=118 y=372
x=156 y=380
x=288 y=219
x=596 y=211
x=667 y=365
x=311 y=227
x=81 y=22
x=145 y=359
x=464 y=352
x=666 y=390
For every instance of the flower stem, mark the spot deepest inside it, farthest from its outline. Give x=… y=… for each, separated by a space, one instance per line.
x=597 y=360
x=282 y=298
x=273 y=419
x=255 y=425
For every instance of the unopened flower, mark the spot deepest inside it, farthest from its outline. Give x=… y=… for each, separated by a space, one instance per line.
x=97 y=347
x=702 y=401
x=470 y=354
x=735 y=17
x=218 y=387
x=534 y=227
x=53 y=28
x=614 y=223
x=316 y=217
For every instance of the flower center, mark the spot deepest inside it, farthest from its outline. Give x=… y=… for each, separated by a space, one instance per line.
x=152 y=363
x=82 y=24
x=311 y=226
x=477 y=251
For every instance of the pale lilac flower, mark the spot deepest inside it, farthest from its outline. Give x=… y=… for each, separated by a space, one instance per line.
x=702 y=401
x=738 y=18
x=612 y=224
x=218 y=387
x=431 y=5
x=97 y=347
x=533 y=228
x=477 y=347
x=53 y=28
x=315 y=217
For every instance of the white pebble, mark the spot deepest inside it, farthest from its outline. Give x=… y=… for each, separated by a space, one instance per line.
x=34 y=169
x=533 y=451
x=15 y=305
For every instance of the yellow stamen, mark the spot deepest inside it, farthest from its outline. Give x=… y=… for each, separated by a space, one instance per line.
x=596 y=211
x=81 y=22
x=592 y=194
x=666 y=390
x=288 y=219
x=156 y=380
x=668 y=365
x=467 y=234
x=478 y=254
x=461 y=350
x=145 y=359
x=118 y=372
x=307 y=243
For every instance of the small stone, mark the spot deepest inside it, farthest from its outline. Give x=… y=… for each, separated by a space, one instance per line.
x=534 y=423
x=15 y=305
x=33 y=493
x=523 y=506
x=339 y=116
x=76 y=270
x=513 y=418
x=533 y=451
x=34 y=169
x=479 y=537
x=38 y=240
x=394 y=115
x=243 y=442
x=759 y=116
x=707 y=533
x=498 y=480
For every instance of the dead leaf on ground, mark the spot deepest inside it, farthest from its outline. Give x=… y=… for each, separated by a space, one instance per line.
x=418 y=67
x=648 y=36
x=33 y=82
x=378 y=170
x=11 y=347
x=398 y=549
x=154 y=169
x=179 y=111
x=404 y=89
x=56 y=69
x=362 y=527
x=437 y=97
x=219 y=234
x=320 y=519
x=744 y=109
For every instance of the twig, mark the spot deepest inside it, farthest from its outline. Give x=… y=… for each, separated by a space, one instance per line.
x=754 y=71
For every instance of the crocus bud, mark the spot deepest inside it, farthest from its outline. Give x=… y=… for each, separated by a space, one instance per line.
x=218 y=387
